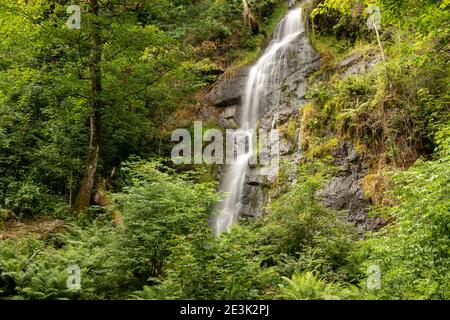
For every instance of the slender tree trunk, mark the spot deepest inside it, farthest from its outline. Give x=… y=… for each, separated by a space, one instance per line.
x=378 y=39
x=249 y=19
x=84 y=195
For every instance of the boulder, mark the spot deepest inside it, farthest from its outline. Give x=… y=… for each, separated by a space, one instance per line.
x=228 y=89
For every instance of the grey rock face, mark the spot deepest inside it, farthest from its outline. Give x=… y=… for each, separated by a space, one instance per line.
x=282 y=105
x=228 y=90
x=253 y=201
x=349 y=61
x=358 y=64
x=284 y=102
x=227 y=118
x=344 y=191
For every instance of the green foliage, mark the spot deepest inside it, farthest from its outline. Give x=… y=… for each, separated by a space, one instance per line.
x=247 y=263
x=307 y=286
x=300 y=234
x=34 y=268
x=343 y=18
x=157 y=208
x=443 y=141
x=413 y=253
x=202 y=267
x=154 y=239
x=394 y=110
x=156 y=54
x=45 y=92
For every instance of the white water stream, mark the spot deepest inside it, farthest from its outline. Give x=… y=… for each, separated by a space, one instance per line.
x=264 y=77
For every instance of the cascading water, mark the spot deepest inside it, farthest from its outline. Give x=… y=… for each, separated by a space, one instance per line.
x=263 y=82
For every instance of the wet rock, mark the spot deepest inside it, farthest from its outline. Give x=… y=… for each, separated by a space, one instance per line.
x=280 y=104
x=300 y=61
x=257 y=177
x=253 y=201
x=228 y=117
x=283 y=104
x=277 y=116
x=228 y=90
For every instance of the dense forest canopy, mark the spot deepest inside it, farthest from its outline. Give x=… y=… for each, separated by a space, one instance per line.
x=86 y=178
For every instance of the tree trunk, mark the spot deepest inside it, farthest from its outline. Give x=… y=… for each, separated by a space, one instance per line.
x=84 y=195
x=249 y=19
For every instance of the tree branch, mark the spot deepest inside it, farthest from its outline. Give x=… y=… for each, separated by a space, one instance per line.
x=149 y=84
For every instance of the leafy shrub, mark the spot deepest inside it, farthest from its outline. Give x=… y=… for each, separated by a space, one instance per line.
x=34 y=268
x=308 y=286
x=344 y=19
x=157 y=208
x=29 y=198
x=204 y=267
x=414 y=252
x=301 y=229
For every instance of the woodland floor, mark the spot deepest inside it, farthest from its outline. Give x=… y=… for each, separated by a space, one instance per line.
x=41 y=227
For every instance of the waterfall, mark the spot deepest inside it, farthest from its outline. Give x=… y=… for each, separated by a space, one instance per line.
x=260 y=94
